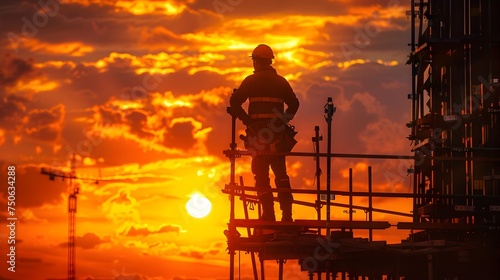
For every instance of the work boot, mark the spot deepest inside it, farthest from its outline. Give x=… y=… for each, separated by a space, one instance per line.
x=267 y=201
x=286 y=201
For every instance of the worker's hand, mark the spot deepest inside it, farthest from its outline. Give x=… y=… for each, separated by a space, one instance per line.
x=251 y=129
x=246 y=120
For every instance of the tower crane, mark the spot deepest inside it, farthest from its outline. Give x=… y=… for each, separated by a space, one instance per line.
x=73 y=191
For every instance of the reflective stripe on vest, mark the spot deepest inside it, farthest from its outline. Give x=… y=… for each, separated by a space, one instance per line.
x=266 y=99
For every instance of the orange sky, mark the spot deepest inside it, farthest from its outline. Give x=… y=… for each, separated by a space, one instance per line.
x=138 y=91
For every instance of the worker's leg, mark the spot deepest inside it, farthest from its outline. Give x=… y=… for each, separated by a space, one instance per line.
x=260 y=169
x=282 y=181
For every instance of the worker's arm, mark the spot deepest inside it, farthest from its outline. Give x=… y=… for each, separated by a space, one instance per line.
x=237 y=99
x=291 y=102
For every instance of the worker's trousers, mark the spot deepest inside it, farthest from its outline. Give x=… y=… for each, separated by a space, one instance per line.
x=260 y=169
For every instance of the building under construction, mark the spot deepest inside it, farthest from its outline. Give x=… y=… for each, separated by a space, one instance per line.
x=454 y=231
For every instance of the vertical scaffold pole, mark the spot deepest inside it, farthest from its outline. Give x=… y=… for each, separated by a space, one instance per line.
x=280 y=269
x=249 y=232
x=329 y=111
x=317 y=158
x=350 y=195
x=232 y=183
x=316 y=140
x=413 y=98
x=370 y=202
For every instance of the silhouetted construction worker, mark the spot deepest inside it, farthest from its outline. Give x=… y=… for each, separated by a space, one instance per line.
x=266 y=120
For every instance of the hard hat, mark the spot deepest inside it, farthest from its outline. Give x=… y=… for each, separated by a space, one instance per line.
x=263 y=51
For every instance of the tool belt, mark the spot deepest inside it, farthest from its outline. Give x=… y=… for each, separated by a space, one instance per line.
x=287 y=141
x=261 y=138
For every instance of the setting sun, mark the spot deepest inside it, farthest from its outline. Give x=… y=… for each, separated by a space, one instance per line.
x=138 y=91
x=198 y=206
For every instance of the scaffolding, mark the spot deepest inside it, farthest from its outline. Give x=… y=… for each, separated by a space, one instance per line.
x=455 y=63
x=454 y=232
x=327 y=248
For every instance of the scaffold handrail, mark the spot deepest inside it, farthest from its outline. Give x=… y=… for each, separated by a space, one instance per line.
x=255 y=199
x=373 y=194
x=314 y=154
x=362 y=156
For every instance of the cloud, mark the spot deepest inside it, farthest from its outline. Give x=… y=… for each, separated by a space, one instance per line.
x=137 y=122
x=67 y=48
x=162 y=121
x=28 y=216
x=106 y=26
x=45 y=125
x=121 y=209
x=12 y=108
x=141 y=8
x=14 y=69
x=37 y=118
x=145 y=231
x=123 y=198
x=87 y=241
x=384 y=142
x=2 y=137
x=131 y=277
x=159 y=38
x=202 y=253
x=181 y=134
x=261 y=8
x=46 y=192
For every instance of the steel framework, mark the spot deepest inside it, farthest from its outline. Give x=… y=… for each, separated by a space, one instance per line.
x=455 y=62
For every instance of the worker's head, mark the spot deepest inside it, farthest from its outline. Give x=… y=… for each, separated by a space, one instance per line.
x=262 y=56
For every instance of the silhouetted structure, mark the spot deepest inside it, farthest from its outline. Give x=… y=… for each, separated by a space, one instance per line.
x=455 y=109
x=455 y=131
x=72 y=198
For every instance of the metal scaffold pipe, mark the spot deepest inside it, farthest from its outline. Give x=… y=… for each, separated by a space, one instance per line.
x=418 y=158
x=318 y=204
x=232 y=179
x=329 y=111
x=373 y=194
x=316 y=140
